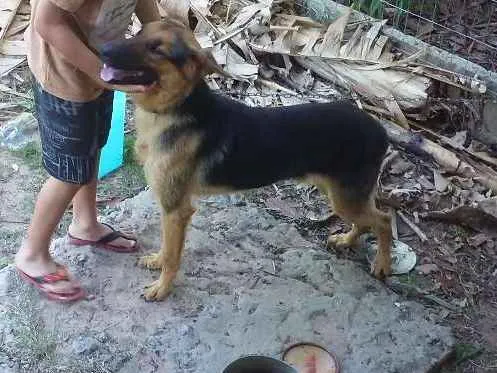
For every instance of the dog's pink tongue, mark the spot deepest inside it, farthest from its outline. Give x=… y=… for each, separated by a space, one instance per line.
x=108 y=73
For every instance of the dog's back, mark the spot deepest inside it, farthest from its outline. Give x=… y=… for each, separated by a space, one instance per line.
x=248 y=147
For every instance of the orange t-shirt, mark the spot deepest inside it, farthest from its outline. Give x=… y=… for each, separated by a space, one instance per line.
x=96 y=21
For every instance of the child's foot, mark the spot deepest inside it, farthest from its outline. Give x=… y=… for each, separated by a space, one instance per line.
x=51 y=278
x=102 y=236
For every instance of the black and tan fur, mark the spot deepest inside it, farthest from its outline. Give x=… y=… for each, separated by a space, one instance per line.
x=192 y=141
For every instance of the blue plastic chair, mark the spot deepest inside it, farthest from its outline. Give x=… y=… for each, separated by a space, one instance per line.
x=112 y=155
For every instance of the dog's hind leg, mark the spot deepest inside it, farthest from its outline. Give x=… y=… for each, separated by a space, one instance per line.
x=356 y=205
x=346 y=240
x=168 y=259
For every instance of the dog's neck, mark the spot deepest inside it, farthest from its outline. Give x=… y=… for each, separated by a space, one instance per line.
x=149 y=123
x=169 y=100
x=199 y=100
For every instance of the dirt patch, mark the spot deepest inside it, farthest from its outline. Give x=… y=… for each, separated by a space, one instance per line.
x=21 y=177
x=463 y=274
x=223 y=304
x=451 y=270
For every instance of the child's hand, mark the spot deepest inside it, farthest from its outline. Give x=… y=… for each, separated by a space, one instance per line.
x=54 y=24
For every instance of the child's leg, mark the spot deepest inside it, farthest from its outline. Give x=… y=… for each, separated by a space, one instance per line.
x=33 y=258
x=71 y=138
x=84 y=223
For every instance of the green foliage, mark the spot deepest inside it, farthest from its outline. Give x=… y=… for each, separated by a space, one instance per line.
x=375 y=8
x=466 y=352
x=31 y=153
x=129 y=151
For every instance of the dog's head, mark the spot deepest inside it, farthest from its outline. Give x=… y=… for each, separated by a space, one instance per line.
x=165 y=54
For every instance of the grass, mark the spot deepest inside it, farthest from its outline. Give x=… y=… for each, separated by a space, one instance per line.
x=32 y=344
x=28 y=104
x=465 y=352
x=132 y=169
x=33 y=347
x=4 y=262
x=130 y=176
x=375 y=8
x=31 y=154
x=129 y=151
x=408 y=279
x=9 y=240
x=460 y=232
x=129 y=179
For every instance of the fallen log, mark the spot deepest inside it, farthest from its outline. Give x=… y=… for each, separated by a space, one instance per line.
x=449 y=161
x=481 y=216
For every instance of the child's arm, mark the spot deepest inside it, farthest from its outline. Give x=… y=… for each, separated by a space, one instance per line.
x=54 y=25
x=147 y=11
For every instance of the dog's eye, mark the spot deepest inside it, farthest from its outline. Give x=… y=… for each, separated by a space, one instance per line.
x=155 y=47
x=179 y=52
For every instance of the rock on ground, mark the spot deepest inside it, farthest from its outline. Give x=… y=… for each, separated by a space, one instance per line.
x=229 y=301
x=19 y=132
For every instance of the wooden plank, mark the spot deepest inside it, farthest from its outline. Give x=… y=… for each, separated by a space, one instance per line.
x=16 y=27
x=4 y=14
x=10 y=91
x=7 y=4
x=9 y=63
x=23 y=17
x=13 y=47
x=11 y=13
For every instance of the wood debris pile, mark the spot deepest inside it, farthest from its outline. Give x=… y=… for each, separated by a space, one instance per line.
x=265 y=42
x=14 y=19
x=261 y=41
x=277 y=57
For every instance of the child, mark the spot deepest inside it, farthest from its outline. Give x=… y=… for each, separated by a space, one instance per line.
x=74 y=108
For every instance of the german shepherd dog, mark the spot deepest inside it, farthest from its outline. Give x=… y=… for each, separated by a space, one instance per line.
x=192 y=141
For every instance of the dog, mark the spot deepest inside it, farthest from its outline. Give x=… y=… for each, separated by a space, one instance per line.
x=192 y=141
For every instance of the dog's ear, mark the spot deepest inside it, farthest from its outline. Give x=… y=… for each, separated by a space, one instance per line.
x=192 y=60
x=210 y=65
x=200 y=62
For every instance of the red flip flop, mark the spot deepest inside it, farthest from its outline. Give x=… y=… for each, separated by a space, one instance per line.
x=104 y=242
x=61 y=274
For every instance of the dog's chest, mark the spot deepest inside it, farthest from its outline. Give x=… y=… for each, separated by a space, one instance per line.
x=149 y=128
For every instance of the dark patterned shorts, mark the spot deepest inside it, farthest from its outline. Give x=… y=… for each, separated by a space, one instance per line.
x=72 y=133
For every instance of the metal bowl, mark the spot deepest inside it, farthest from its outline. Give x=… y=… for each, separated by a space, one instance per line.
x=258 y=364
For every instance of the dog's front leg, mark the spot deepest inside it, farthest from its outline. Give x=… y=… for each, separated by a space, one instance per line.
x=141 y=151
x=168 y=259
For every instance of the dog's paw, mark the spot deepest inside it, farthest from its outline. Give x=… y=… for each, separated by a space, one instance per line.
x=341 y=241
x=150 y=261
x=156 y=291
x=381 y=267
